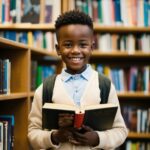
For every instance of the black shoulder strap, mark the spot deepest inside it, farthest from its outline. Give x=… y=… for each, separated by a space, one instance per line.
x=48 y=86
x=104 y=86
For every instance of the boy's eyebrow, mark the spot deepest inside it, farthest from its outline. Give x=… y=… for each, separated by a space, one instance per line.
x=85 y=40
x=71 y=41
x=66 y=41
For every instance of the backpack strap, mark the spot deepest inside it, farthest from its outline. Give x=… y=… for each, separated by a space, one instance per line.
x=104 y=86
x=48 y=85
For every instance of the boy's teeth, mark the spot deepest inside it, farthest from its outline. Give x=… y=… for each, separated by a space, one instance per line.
x=75 y=59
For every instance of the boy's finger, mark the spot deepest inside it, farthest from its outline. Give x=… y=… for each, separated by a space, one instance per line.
x=87 y=128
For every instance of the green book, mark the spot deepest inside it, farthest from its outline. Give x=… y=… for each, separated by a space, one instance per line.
x=39 y=76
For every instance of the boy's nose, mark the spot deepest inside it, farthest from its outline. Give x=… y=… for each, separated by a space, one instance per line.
x=75 y=49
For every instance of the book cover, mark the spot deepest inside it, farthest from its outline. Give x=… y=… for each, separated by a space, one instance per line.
x=1 y=135
x=48 y=11
x=98 y=117
x=31 y=11
x=9 y=121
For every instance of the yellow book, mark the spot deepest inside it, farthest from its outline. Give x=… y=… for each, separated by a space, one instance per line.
x=30 y=38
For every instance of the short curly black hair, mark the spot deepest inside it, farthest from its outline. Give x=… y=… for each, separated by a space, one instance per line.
x=73 y=17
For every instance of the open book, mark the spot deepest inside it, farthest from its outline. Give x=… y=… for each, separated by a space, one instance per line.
x=98 y=117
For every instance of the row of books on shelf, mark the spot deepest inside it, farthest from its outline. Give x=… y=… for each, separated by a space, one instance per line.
x=115 y=12
x=39 y=73
x=122 y=42
x=131 y=79
x=136 y=119
x=131 y=145
x=39 y=11
x=36 y=39
x=103 y=42
x=7 y=123
x=5 y=71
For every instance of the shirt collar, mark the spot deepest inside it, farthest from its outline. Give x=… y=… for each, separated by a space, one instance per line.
x=86 y=74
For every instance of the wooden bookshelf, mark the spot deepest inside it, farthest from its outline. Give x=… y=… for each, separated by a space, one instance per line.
x=27 y=26
x=134 y=95
x=139 y=135
x=18 y=102
x=50 y=26
x=120 y=59
x=117 y=54
x=121 y=29
x=13 y=96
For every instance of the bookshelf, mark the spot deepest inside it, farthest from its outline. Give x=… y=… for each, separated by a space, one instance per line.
x=19 y=100
x=130 y=24
x=21 y=55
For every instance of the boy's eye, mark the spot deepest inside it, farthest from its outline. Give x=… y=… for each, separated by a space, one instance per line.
x=67 y=45
x=83 y=45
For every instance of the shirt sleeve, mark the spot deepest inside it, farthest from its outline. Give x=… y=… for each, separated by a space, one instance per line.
x=38 y=138
x=110 y=139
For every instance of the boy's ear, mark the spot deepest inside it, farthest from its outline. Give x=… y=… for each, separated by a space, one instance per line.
x=57 y=49
x=93 y=45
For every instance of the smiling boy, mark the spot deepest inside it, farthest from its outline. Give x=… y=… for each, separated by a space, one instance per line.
x=77 y=84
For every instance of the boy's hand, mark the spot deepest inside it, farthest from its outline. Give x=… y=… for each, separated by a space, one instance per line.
x=62 y=135
x=65 y=131
x=89 y=137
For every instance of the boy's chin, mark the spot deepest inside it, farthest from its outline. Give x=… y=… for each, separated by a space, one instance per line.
x=75 y=70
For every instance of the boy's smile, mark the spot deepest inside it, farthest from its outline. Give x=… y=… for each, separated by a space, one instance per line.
x=75 y=43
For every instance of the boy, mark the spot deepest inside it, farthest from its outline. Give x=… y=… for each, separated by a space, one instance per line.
x=76 y=85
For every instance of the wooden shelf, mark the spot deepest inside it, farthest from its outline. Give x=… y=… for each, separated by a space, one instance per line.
x=13 y=96
x=9 y=44
x=43 y=52
x=27 y=26
x=50 y=26
x=31 y=94
x=139 y=95
x=139 y=135
x=117 y=54
x=120 y=29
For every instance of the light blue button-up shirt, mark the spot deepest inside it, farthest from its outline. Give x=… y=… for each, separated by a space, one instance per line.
x=75 y=84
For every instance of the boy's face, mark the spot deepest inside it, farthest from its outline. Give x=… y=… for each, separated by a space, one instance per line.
x=75 y=44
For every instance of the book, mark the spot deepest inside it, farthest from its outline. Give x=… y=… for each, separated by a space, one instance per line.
x=31 y=11
x=9 y=122
x=99 y=117
x=1 y=135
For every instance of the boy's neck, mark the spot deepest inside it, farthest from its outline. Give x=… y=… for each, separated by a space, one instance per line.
x=76 y=72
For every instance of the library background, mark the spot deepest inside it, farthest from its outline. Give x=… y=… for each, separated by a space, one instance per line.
x=27 y=56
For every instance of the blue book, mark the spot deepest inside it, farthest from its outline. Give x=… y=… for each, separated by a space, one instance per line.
x=117 y=11
x=11 y=35
x=146 y=12
x=10 y=130
x=3 y=11
x=23 y=38
x=5 y=76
